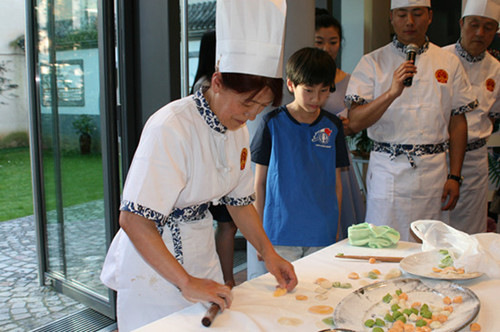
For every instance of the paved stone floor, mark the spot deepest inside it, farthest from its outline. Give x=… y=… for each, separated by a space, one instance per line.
x=24 y=304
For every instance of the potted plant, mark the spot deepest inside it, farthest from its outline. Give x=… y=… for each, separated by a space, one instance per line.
x=84 y=126
x=362 y=144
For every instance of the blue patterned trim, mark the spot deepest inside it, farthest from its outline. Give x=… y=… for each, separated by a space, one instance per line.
x=466 y=108
x=145 y=212
x=494 y=115
x=210 y=118
x=186 y=215
x=237 y=201
x=410 y=150
x=402 y=47
x=477 y=144
x=464 y=54
x=349 y=99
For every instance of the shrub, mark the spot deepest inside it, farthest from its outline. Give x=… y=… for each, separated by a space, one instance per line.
x=15 y=140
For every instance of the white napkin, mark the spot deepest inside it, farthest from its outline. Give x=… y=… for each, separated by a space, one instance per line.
x=475 y=252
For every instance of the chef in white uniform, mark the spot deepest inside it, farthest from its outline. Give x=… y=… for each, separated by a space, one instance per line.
x=195 y=152
x=478 y=26
x=411 y=127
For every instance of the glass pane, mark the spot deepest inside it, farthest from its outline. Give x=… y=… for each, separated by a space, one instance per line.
x=71 y=140
x=201 y=18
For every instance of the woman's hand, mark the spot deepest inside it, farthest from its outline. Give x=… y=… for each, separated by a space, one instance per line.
x=197 y=289
x=282 y=270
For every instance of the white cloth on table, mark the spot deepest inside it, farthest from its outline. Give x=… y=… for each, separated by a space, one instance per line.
x=255 y=308
x=397 y=193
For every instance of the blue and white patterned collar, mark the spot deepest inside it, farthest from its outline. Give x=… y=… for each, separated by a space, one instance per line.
x=210 y=118
x=464 y=54
x=402 y=47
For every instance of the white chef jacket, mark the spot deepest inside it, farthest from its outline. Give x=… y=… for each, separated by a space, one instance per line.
x=471 y=213
x=397 y=193
x=185 y=159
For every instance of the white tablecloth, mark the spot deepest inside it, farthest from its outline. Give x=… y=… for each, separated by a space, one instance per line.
x=255 y=308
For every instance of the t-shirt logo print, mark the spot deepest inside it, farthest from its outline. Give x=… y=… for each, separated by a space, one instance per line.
x=322 y=136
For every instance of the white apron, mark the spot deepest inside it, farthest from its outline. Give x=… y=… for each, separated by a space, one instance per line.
x=389 y=201
x=471 y=213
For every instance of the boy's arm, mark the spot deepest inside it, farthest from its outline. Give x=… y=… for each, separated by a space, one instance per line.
x=338 y=191
x=260 y=188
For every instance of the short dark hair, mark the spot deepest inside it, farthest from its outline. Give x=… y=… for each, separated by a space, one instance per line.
x=325 y=20
x=206 y=57
x=311 y=66
x=242 y=83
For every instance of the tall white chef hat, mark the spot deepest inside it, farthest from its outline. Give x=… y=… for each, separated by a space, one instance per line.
x=486 y=8
x=410 y=3
x=250 y=36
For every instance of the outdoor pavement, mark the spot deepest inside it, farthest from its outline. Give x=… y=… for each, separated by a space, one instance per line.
x=24 y=304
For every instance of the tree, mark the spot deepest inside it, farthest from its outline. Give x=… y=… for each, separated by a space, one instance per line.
x=6 y=84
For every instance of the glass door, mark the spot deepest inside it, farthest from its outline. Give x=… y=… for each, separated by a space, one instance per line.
x=74 y=144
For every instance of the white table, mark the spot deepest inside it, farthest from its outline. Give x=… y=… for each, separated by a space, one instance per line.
x=255 y=308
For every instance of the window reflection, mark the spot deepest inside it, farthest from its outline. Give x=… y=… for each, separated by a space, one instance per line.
x=201 y=17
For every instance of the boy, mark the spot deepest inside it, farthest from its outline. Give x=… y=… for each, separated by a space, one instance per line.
x=299 y=150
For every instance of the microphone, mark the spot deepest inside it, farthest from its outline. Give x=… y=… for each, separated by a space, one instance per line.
x=411 y=54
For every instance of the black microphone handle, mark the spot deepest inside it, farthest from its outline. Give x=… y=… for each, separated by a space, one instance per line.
x=409 y=57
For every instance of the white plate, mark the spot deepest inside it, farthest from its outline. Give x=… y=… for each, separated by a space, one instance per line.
x=366 y=302
x=421 y=264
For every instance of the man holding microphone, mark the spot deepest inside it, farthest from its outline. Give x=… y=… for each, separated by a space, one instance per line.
x=411 y=126
x=478 y=26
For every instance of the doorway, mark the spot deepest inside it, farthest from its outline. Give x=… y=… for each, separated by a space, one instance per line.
x=74 y=147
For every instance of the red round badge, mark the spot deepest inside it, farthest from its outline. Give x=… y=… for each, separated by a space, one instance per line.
x=243 y=158
x=441 y=76
x=490 y=84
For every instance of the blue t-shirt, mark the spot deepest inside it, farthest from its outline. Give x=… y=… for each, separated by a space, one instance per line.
x=301 y=203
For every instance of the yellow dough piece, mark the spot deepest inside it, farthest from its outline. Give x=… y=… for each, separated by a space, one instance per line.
x=289 y=321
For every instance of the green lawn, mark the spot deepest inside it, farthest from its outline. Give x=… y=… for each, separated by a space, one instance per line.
x=81 y=181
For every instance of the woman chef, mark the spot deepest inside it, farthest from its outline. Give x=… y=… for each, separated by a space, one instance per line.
x=194 y=152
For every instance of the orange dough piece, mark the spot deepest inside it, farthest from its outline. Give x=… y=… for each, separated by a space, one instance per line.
x=353 y=275
x=320 y=280
x=300 y=297
x=321 y=309
x=475 y=327
x=279 y=292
